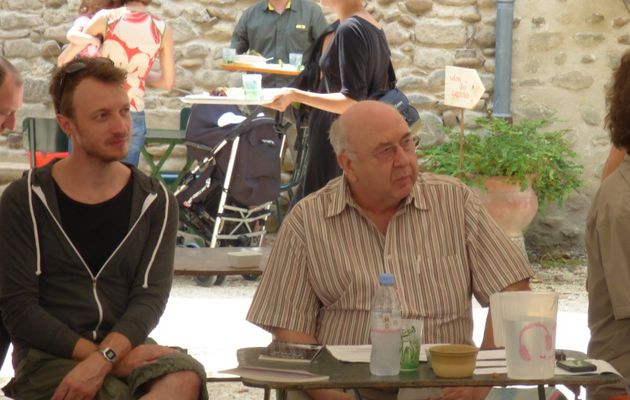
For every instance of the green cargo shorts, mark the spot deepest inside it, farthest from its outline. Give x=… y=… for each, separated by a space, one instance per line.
x=38 y=375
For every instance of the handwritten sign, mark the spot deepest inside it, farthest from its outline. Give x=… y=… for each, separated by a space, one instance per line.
x=462 y=87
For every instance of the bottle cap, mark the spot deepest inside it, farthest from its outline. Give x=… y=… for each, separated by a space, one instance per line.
x=386 y=279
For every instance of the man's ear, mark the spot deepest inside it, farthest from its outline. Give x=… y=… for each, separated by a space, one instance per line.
x=65 y=124
x=347 y=166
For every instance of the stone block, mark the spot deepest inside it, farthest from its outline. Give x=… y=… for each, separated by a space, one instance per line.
x=532 y=82
x=220 y=32
x=431 y=130
x=595 y=18
x=572 y=80
x=538 y=21
x=183 y=31
x=590 y=115
x=26 y=5
x=23 y=48
x=439 y=33
x=487 y=3
x=11 y=21
x=624 y=39
x=588 y=59
x=14 y=34
x=489 y=65
x=456 y=2
x=419 y=6
x=620 y=22
x=409 y=82
x=560 y=58
x=588 y=39
x=407 y=21
x=421 y=101
x=450 y=118
x=395 y=34
x=57 y=33
x=50 y=49
x=545 y=41
x=430 y=59
x=195 y=50
x=468 y=58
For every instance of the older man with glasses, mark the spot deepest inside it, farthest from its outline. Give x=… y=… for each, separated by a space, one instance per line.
x=11 y=93
x=87 y=246
x=383 y=216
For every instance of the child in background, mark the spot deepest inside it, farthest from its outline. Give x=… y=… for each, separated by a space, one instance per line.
x=78 y=38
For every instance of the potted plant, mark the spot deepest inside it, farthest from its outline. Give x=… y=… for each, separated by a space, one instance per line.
x=516 y=166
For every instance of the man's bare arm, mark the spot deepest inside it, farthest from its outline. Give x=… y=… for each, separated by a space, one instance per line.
x=488 y=335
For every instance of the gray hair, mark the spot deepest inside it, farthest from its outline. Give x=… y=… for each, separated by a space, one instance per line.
x=5 y=68
x=338 y=137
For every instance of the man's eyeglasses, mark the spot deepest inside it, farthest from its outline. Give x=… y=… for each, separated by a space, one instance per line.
x=387 y=152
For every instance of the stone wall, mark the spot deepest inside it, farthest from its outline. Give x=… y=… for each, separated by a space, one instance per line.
x=564 y=54
x=563 y=49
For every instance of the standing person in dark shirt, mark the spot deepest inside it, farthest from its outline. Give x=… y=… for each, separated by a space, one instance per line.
x=87 y=248
x=275 y=28
x=355 y=63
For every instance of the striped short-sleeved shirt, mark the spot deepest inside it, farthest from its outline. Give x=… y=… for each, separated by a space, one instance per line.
x=441 y=245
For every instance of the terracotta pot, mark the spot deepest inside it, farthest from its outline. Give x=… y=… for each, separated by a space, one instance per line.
x=510 y=207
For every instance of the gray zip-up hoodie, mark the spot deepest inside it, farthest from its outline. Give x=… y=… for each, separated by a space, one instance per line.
x=49 y=298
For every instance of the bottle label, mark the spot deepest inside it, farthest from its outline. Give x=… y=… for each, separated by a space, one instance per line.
x=385 y=323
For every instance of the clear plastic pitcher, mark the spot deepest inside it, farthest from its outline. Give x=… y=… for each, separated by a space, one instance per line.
x=525 y=323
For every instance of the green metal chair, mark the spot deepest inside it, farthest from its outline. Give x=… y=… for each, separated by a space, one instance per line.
x=170 y=137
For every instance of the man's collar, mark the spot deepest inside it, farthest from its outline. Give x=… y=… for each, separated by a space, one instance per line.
x=270 y=6
x=341 y=197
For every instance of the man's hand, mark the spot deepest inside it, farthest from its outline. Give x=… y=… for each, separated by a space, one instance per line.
x=141 y=355
x=84 y=380
x=465 y=393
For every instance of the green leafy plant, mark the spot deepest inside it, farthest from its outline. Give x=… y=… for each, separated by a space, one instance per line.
x=520 y=151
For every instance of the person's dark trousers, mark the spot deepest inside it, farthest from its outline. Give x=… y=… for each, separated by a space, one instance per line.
x=5 y=342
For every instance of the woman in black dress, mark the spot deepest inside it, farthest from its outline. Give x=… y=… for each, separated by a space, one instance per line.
x=354 y=65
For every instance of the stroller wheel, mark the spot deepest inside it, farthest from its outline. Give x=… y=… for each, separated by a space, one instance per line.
x=219 y=280
x=250 y=277
x=204 y=281
x=209 y=280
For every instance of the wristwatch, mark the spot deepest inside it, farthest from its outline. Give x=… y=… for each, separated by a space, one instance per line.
x=109 y=354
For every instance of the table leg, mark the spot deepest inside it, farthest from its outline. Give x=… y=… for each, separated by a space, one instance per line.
x=541 y=392
x=281 y=394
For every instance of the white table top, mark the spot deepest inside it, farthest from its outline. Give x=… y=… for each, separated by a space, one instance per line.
x=234 y=96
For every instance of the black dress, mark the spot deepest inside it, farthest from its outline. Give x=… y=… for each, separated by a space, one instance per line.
x=356 y=64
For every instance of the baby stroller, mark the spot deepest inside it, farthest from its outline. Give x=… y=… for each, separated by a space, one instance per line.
x=226 y=197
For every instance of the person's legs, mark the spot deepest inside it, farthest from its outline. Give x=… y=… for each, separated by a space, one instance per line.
x=139 y=131
x=38 y=375
x=184 y=385
x=176 y=373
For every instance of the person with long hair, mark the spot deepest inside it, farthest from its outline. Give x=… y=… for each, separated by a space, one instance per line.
x=134 y=39
x=607 y=227
x=353 y=65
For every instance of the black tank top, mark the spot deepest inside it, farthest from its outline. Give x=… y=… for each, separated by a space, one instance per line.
x=96 y=229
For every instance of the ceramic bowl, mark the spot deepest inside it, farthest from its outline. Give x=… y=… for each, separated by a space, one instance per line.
x=453 y=360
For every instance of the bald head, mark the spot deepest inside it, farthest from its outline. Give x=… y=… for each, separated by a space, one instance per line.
x=365 y=118
x=7 y=71
x=10 y=94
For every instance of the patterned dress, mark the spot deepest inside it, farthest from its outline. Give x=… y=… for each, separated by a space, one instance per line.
x=132 y=41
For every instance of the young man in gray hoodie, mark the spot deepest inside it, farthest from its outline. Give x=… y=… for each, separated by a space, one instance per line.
x=87 y=247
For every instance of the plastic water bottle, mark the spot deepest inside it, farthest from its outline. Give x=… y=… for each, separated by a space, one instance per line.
x=385 y=329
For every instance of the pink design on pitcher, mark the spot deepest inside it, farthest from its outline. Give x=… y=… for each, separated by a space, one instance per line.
x=524 y=352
